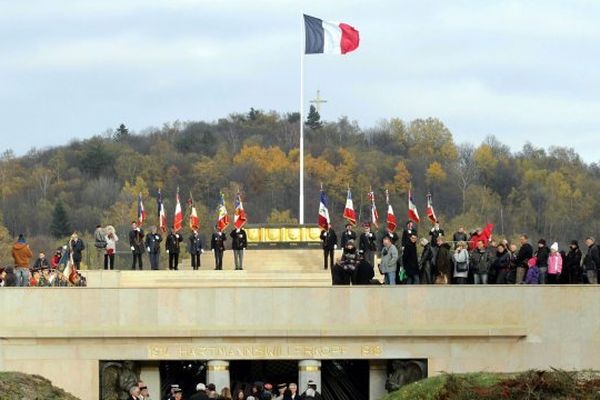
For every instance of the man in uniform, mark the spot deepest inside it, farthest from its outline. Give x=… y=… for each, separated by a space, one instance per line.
x=329 y=244
x=368 y=243
x=195 y=249
x=239 y=242
x=217 y=245
x=136 y=237
x=153 y=247
x=172 y=246
x=348 y=234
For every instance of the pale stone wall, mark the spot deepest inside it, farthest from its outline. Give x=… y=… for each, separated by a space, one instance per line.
x=62 y=333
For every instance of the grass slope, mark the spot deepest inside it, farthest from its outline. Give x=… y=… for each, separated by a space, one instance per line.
x=18 y=386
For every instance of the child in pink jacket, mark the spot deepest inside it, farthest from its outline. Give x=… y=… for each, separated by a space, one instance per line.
x=554 y=265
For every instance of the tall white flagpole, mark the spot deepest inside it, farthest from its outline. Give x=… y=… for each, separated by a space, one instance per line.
x=302 y=49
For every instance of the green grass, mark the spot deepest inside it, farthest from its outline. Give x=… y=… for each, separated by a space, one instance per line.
x=19 y=386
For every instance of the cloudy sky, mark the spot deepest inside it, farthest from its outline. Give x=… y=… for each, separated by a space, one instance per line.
x=522 y=70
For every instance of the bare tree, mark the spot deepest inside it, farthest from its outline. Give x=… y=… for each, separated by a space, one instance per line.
x=466 y=169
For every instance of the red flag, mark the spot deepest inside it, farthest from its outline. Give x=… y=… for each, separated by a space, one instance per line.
x=162 y=216
x=223 y=220
x=349 y=212
x=178 y=217
x=239 y=217
x=323 y=211
x=485 y=235
x=374 y=213
x=430 y=211
x=413 y=214
x=194 y=221
x=391 y=218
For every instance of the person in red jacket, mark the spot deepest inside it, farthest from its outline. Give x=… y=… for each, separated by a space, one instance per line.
x=484 y=235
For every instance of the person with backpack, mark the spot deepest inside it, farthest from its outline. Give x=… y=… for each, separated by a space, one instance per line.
x=461 y=263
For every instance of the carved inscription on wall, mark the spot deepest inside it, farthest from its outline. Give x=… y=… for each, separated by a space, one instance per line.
x=260 y=351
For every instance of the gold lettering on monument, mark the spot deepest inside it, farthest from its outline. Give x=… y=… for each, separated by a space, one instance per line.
x=260 y=351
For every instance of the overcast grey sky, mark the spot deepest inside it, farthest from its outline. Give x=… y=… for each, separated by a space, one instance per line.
x=521 y=70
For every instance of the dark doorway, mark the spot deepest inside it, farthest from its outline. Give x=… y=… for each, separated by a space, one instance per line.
x=244 y=373
x=186 y=374
x=345 y=379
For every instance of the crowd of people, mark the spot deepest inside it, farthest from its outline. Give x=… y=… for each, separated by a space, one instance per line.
x=62 y=269
x=140 y=242
x=469 y=258
x=258 y=391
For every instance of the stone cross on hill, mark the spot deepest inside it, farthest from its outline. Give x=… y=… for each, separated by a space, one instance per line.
x=318 y=101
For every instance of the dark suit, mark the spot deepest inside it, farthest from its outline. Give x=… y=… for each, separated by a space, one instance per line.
x=153 y=246
x=217 y=245
x=172 y=247
x=367 y=243
x=346 y=237
x=239 y=242
x=195 y=249
x=136 y=237
x=328 y=242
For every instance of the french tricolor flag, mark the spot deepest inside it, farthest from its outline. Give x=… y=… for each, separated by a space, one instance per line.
x=329 y=37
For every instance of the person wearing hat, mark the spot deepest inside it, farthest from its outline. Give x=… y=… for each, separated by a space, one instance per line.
x=21 y=254
x=348 y=234
x=217 y=245
x=367 y=243
x=173 y=247
x=542 y=254
x=555 y=265
x=200 y=392
x=152 y=243
x=136 y=243
x=239 y=243
x=572 y=270
x=311 y=391
x=280 y=391
x=195 y=248
x=171 y=394
x=409 y=229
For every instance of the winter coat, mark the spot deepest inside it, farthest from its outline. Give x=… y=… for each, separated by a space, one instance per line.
x=153 y=243
x=239 y=240
x=217 y=241
x=364 y=273
x=410 y=261
x=459 y=237
x=10 y=280
x=172 y=244
x=76 y=248
x=347 y=236
x=533 y=276
x=443 y=260
x=591 y=260
x=410 y=229
x=542 y=256
x=389 y=259
x=21 y=254
x=40 y=263
x=480 y=261
x=461 y=259
x=555 y=263
x=502 y=261
x=484 y=236
x=328 y=239
x=524 y=254
x=195 y=245
x=367 y=242
x=426 y=257
x=572 y=265
x=136 y=240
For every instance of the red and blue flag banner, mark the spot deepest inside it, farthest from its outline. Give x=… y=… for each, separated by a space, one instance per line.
x=178 y=217
x=413 y=214
x=329 y=37
x=223 y=220
x=162 y=216
x=141 y=213
x=430 y=210
x=391 y=218
x=324 y=220
x=239 y=217
x=349 y=212
x=194 y=220
x=374 y=213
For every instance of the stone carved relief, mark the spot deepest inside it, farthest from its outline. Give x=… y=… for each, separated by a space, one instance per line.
x=117 y=377
x=405 y=372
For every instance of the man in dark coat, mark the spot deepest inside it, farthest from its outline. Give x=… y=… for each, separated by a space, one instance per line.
x=460 y=235
x=436 y=232
x=348 y=234
x=426 y=263
x=572 y=265
x=172 y=245
x=329 y=244
x=368 y=244
x=239 y=243
x=217 y=245
x=409 y=229
x=136 y=243
x=524 y=254
x=542 y=254
x=152 y=242
x=410 y=261
x=591 y=261
x=76 y=246
x=195 y=249
x=443 y=262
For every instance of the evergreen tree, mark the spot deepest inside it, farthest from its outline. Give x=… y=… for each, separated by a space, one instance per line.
x=60 y=221
x=314 y=119
x=121 y=133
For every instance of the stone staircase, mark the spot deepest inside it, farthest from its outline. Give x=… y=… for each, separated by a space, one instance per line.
x=262 y=268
